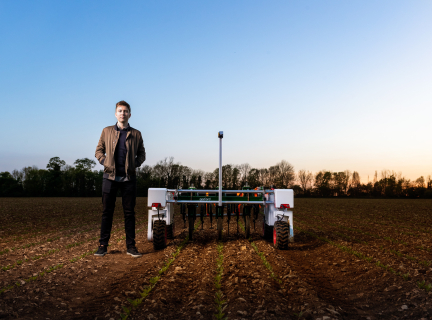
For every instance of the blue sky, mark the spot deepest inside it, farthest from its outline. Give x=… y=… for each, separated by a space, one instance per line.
x=330 y=85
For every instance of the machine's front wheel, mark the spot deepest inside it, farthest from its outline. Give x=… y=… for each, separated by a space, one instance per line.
x=281 y=235
x=219 y=228
x=191 y=226
x=159 y=234
x=247 y=226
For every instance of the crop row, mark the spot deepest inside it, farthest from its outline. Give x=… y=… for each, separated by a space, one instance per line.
x=263 y=259
x=52 y=251
x=219 y=296
x=363 y=221
x=391 y=251
x=84 y=219
x=154 y=280
x=365 y=257
x=376 y=236
x=52 y=238
x=57 y=266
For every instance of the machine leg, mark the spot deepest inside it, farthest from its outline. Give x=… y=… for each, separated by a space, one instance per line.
x=255 y=213
x=202 y=216
x=170 y=231
x=211 y=215
x=247 y=227
x=228 y=217
x=219 y=228
x=247 y=219
x=183 y=213
x=237 y=212
x=219 y=216
x=191 y=218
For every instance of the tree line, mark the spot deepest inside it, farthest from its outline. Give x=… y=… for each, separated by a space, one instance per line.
x=80 y=180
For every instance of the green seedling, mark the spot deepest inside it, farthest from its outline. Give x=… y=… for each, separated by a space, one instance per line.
x=424 y=285
x=263 y=259
x=153 y=281
x=220 y=302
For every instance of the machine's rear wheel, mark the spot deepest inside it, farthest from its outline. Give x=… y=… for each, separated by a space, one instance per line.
x=219 y=228
x=247 y=226
x=170 y=231
x=281 y=235
x=159 y=234
x=191 y=226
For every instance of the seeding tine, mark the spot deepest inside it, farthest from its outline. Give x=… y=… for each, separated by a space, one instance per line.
x=211 y=216
x=255 y=211
x=229 y=216
x=202 y=217
x=183 y=212
x=237 y=212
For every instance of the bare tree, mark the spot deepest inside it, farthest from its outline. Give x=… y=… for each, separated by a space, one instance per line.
x=264 y=176
x=420 y=182
x=355 y=179
x=287 y=174
x=305 y=179
x=346 y=181
x=244 y=170
x=18 y=175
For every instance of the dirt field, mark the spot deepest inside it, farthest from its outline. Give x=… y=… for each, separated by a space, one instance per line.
x=351 y=259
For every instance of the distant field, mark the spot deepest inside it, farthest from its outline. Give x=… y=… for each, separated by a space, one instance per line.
x=351 y=259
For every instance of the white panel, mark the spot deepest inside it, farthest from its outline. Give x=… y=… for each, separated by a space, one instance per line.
x=284 y=196
x=157 y=195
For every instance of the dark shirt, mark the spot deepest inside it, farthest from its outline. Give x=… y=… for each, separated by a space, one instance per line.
x=121 y=151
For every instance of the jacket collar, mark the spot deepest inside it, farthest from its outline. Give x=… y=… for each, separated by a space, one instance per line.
x=117 y=128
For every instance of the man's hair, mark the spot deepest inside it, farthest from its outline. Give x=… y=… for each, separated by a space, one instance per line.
x=124 y=104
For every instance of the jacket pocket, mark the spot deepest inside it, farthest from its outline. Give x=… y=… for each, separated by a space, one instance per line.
x=109 y=169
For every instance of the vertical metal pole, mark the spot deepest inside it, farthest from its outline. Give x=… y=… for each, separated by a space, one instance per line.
x=220 y=135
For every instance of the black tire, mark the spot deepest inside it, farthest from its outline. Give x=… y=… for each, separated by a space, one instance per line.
x=247 y=226
x=159 y=234
x=281 y=233
x=219 y=228
x=191 y=226
x=170 y=231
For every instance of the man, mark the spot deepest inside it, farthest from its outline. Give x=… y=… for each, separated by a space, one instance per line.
x=120 y=150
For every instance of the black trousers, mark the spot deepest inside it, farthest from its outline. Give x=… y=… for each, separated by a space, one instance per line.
x=109 y=193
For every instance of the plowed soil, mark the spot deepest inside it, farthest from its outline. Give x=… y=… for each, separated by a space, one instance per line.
x=315 y=279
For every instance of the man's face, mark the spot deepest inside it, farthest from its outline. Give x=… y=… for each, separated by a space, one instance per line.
x=122 y=114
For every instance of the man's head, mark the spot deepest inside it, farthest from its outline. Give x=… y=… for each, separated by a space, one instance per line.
x=122 y=112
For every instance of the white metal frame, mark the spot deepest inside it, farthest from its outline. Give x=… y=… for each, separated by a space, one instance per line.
x=166 y=211
x=276 y=202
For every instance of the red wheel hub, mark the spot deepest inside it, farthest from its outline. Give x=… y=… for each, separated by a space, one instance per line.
x=274 y=235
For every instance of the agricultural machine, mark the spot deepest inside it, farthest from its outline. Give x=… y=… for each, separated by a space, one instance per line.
x=245 y=203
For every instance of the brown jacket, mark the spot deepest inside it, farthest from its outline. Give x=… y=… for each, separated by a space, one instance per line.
x=106 y=147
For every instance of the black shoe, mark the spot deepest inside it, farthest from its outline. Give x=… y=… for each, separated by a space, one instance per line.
x=132 y=251
x=102 y=250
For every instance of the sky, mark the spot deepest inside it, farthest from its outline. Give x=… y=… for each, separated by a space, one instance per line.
x=324 y=85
